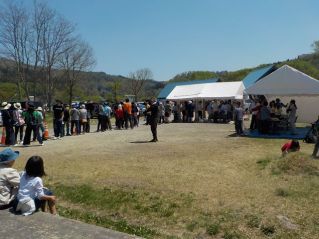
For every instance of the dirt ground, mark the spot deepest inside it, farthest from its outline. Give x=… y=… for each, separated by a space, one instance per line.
x=200 y=158
x=188 y=157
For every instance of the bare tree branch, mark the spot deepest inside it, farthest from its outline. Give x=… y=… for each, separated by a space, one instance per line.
x=138 y=79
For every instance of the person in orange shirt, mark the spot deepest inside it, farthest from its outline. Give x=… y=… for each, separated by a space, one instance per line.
x=127 y=108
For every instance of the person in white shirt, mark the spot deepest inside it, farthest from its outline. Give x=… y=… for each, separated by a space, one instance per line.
x=32 y=195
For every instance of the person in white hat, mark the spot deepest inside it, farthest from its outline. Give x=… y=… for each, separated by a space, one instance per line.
x=7 y=118
x=40 y=122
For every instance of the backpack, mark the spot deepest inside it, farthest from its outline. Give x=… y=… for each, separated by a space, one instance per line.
x=310 y=137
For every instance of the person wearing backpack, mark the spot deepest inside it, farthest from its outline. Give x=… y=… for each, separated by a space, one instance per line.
x=8 y=123
x=32 y=120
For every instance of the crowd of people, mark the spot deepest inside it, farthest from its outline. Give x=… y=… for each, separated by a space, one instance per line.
x=266 y=116
x=19 y=123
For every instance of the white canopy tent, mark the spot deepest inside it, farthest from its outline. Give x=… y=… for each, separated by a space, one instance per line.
x=288 y=83
x=218 y=90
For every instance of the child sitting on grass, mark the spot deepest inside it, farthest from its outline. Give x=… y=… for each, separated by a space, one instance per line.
x=9 y=178
x=290 y=146
x=32 y=195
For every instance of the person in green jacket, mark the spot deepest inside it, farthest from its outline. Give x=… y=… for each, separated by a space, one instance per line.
x=32 y=119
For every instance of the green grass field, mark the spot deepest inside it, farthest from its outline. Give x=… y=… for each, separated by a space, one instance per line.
x=196 y=182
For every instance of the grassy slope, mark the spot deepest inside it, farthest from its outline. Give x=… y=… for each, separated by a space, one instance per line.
x=196 y=182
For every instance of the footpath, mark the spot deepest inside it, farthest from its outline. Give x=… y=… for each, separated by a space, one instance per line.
x=46 y=226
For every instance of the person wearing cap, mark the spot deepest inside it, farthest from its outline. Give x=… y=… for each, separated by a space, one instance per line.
x=75 y=120
x=40 y=121
x=9 y=178
x=8 y=123
x=19 y=125
x=83 y=119
x=153 y=119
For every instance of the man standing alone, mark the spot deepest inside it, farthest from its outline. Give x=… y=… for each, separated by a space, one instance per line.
x=153 y=119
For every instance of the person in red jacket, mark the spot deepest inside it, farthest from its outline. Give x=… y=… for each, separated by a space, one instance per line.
x=290 y=146
x=119 y=116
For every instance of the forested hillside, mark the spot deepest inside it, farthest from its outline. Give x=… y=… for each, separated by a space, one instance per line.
x=99 y=86
x=308 y=64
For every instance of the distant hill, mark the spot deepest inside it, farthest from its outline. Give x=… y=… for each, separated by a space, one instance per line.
x=307 y=63
x=99 y=86
x=95 y=86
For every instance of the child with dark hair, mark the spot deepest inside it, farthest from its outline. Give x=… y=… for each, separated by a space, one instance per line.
x=32 y=195
x=291 y=146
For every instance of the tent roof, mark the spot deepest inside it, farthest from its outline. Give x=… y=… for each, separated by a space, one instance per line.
x=257 y=74
x=285 y=81
x=218 y=90
x=170 y=86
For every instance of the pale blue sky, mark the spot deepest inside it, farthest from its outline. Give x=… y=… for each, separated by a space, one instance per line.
x=173 y=36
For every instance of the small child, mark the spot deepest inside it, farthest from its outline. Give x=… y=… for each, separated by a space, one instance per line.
x=291 y=146
x=32 y=195
x=9 y=178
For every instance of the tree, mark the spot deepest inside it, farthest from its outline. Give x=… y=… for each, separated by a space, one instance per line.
x=315 y=46
x=56 y=38
x=116 y=88
x=14 y=40
x=138 y=79
x=78 y=57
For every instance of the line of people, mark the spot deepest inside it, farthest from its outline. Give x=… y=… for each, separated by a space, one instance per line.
x=15 y=119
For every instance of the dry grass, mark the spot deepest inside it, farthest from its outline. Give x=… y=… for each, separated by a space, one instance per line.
x=215 y=180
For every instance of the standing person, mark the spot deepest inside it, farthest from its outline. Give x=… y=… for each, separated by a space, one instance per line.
x=107 y=114
x=66 y=121
x=190 y=111
x=9 y=178
x=8 y=123
x=18 y=128
x=238 y=118
x=147 y=113
x=135 y=112
x=161 y=112
x=58 y=118
x=32 y=119
x=167 y=111
x=153 y=119
x=83 y=119
x=177 y=112
x=127 y=108
x=75 y=120
x=264 y=118
x=255 y=124
x=292 y=111
x=119 y=117
x=32 y=195
x=41 y=122
x=88 y=123
x=99 y=118
x=215 y=109
x=253 y=121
